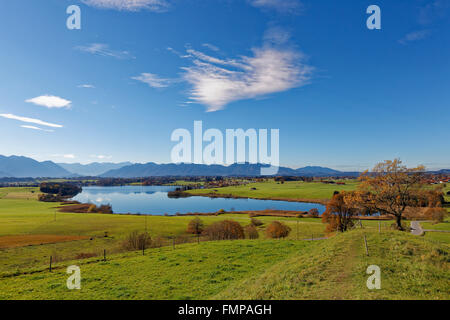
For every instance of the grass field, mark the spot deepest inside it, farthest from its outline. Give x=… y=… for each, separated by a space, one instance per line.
x=412 y=267
x=290 y=190
x=24 y=216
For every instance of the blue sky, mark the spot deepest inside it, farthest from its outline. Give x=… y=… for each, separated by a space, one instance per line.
x=342 y=95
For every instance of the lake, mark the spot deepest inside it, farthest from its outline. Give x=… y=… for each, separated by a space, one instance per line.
x=153 y=200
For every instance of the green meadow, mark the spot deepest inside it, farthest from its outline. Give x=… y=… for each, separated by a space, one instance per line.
x=289 y=190
x=412 y=267
x=22 y=214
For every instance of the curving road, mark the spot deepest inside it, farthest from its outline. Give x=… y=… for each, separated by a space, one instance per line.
x=416 y=228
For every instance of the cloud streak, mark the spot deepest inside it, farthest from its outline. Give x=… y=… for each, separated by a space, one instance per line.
x=100 y=157
x=432 y=11
x=65 y=156
x=50 y=101
x=129 y=5
x=415 y=36
x=103 y=49
x=30 y=120
x=35 y=128
x=282 y=6
x=218 y=82
x=152 y=80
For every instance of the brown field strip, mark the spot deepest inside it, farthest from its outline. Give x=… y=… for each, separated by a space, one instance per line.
x=35 y=239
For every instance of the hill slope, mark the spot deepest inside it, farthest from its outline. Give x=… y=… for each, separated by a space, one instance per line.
x=411 y=268
x=5 y=175
x=92 y=169
x=23 y=167
x=245 y=169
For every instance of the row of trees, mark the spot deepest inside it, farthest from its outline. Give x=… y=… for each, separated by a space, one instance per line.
x=61 y=189
x=390 y=188
x=230 y=230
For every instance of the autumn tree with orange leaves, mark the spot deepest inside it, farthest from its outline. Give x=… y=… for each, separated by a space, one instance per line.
x=390 y=188
x=339 y=212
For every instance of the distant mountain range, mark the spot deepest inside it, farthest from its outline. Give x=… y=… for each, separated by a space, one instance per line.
x=92 y=169
x=5 y=175
x=23 y=167
x=155 y=170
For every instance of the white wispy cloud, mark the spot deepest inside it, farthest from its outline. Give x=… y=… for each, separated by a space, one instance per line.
x=217 y=82
x=65 y=156
x=152 y=80
x=87 y=86
x=210 y=46
x=129 y=5
x=433 y=10
x=103 y=49
x=100 y=157
x=50 y=101
x=276 y=35
x=30 y=120
x=35 y=128
x=283 y=6
x=415 y=36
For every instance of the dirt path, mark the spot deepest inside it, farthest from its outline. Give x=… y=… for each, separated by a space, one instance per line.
x=339 y=271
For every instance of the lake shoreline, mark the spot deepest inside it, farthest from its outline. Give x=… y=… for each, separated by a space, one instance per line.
x=156 y=200
x=230 y=196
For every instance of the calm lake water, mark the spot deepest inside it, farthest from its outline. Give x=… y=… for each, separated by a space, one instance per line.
x=154 y=200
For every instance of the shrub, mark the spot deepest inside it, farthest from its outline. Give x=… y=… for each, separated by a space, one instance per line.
x=157 y=242
x=277 y=230
x=182 y=239
x=252 y=232
x=224 y=230
x=436 y=214
x=314 y=213
x=45 y=197
x=137 y=241
x=85 y=255
x=339 y=212
x=195 y=226
x=104 y=208
x=256 y=222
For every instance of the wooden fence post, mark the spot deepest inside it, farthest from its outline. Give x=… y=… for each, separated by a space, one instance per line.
x=50 y=263
x=104 y=254
x=173 y=243
x=365 y=243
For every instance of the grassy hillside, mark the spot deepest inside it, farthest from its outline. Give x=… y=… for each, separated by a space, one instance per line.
x=294 y=190
x=22 y=216
x=411 y=268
